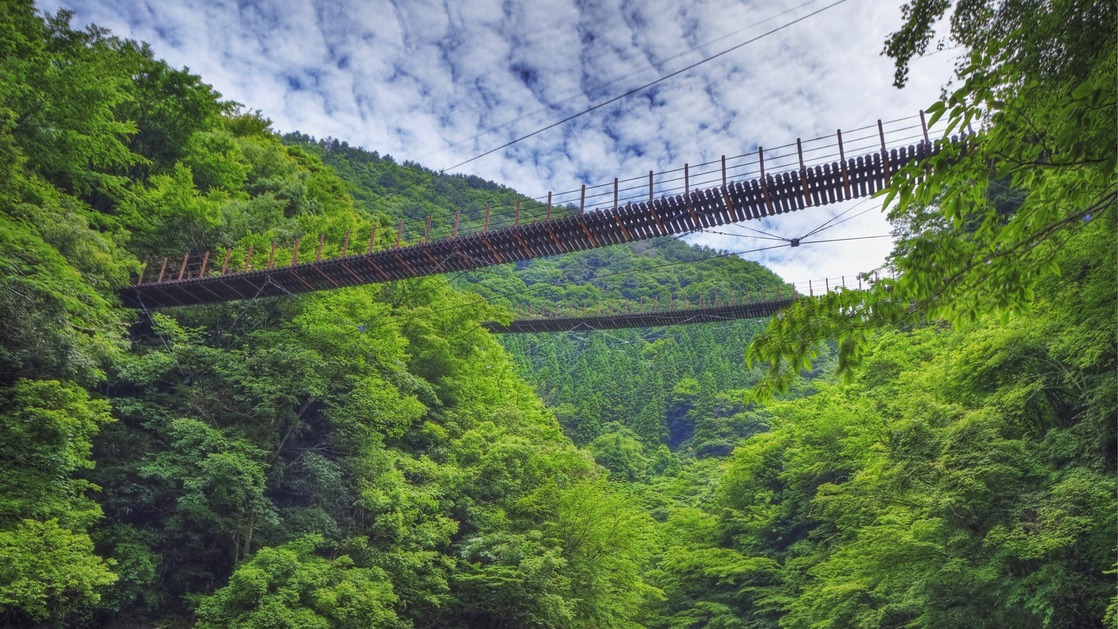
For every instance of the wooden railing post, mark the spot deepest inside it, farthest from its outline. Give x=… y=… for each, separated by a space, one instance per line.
x=884 y=155
x=803 y=173
x=842 y=162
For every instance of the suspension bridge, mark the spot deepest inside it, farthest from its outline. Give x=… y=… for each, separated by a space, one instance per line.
x=794 y=181
x=684 y=311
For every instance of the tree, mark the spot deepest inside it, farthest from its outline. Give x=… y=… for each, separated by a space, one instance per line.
x=47 y=572
x=1038 y=80
x=295 y=586
x=47 y=564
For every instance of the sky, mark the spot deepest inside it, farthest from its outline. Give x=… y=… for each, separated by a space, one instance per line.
x=439 y=82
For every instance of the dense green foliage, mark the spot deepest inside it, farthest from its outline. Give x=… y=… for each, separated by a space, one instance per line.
x=371 y=457
x=961 y=478
x=982 y=233
x=365 y=458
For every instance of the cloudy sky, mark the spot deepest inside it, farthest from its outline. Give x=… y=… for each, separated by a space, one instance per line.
x=440 y=81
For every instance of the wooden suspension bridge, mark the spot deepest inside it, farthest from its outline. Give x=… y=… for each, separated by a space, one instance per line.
x=799 y=184
x=642 y=317
x=652 y=314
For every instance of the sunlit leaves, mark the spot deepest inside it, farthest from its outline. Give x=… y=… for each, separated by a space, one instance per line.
x=297 y=585
x=48 y=571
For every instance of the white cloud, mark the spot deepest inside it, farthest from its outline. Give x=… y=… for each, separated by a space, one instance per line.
x=439 y=82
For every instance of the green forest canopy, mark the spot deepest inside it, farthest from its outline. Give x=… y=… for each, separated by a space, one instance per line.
x=373 y=457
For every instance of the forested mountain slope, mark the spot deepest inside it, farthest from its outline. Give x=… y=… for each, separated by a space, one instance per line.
x=664 y=373
x=361 y=458
x=372 y=457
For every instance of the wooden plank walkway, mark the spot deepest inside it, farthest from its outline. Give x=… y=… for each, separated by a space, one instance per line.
x=683 y=316
x=744 y=200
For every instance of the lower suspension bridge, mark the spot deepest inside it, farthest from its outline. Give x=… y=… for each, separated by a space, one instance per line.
x=794 y=181
x=652 y=314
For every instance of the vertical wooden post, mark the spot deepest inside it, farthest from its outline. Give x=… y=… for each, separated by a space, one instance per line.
x=399 y=232
x=182 y=269
x=826 y=286
x=372 y=240
x=810 y=291
x=582 y=200
x=842 y=161
x=516 y=218
x=803 y=173
x=225 y=265
x=486 y=217
x=650 y=187
x=427 y=233
x=318 y=253
x=272 y=256
x=884 y=153
x=764 y=183
x=549 y=205
x=295 y=251
x=927 y=142
x=345 y=244
x=615 y=192
x=248 y=258
x=723 y=171
x=456 y=216
x=205 y=260
x=162 y=269
x=687 y=183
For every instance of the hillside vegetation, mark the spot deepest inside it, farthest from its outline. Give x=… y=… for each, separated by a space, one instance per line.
x=372 y=457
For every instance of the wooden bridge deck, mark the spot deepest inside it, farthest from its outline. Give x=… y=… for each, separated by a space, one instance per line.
x=737 y=201
x=684 y=316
